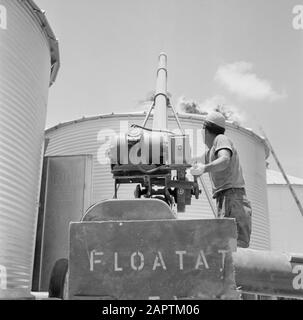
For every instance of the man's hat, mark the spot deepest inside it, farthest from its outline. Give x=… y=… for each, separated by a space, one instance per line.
x=216 y=118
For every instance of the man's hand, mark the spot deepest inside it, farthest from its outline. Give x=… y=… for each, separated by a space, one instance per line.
x=197 y=169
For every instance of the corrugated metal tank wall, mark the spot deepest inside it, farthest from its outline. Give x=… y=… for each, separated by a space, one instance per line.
x=252 y=155
x=25 y=67
x=89 y=136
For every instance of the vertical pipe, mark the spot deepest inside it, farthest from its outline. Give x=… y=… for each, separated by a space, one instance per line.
x=160 y=109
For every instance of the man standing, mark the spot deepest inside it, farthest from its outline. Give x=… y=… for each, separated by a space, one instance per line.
x=222 y=164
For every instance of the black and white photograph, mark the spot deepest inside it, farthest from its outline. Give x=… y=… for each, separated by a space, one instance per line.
x=151 y=151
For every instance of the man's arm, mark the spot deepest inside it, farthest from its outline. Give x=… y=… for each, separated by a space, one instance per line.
x=221 y=163
x=217 y=165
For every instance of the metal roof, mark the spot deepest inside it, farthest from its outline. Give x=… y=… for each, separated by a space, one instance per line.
x=50 y=36
x=185 y=116
x=188 y=116
x=275 y=177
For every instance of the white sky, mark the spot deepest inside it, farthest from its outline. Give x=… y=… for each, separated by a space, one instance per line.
x=245 y=53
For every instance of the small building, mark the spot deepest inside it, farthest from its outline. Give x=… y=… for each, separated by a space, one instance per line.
x=286 y=221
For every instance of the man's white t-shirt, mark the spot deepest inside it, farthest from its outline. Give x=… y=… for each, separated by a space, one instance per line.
x=232 y=176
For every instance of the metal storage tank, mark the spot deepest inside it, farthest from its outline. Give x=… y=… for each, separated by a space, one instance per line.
x=29 y=63
x=286 y=221
x=91 y=136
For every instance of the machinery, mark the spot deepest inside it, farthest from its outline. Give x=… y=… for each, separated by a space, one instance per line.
x=139 y=249
x=155 y=158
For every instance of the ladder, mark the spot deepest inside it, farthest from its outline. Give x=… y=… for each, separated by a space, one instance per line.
x=283 y=172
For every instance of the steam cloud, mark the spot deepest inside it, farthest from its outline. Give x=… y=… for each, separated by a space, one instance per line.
x=216 y=103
